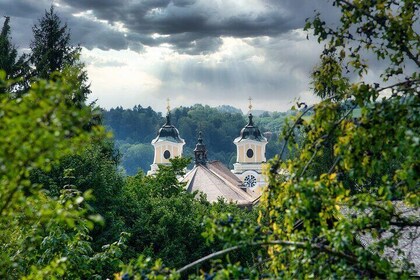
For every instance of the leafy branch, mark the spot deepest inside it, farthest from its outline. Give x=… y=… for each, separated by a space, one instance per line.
x=382 y=22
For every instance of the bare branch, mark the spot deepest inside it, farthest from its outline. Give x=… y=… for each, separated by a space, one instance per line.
x=302 y=245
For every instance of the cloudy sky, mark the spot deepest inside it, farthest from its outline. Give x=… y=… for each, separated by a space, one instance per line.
x=192 y=51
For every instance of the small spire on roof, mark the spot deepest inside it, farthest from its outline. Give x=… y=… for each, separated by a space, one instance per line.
x=250 y=121
x=250 y=104
x=168 y=119
x=200 y=152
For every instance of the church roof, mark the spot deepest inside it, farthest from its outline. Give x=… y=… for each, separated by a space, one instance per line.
x=251 y=132
x=218 y=167
x=168 y=132
x=217 y=181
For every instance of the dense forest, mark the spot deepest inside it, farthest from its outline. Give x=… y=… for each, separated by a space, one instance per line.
x=134 y=129
x=343 y=205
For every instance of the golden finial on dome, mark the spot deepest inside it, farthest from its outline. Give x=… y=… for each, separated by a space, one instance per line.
x=168 y=107
x=250 y=103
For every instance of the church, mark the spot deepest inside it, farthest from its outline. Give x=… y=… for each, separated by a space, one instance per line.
x=242 y=185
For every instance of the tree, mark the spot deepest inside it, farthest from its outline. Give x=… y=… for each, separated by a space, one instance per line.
x=92 y=169
x=16 y=68
x=135 y=157
x=52 y=52
x=328 y=214
x=43 y=236
x=356 y=217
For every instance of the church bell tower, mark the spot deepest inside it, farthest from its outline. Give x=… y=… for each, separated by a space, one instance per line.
x=250 y=154
x=168 y=144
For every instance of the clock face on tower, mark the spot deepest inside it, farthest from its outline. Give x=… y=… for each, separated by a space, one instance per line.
x=250 y=153
x=167 y=154
x=250 y=181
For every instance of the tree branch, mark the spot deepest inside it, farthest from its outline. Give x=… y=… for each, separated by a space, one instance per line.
x=292 y=128
x=302 y=245
x=405 y=223
x=404 y=48
x=409 y=82
x=326 y=136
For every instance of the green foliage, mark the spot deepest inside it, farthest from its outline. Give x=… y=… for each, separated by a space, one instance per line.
x=15 y=68
x=219 y=128
x=51 y=49
x=373 y=159
x=165 y=221
x=229 y=109
x=52 y=52
x=162 y=219
x=94 y=168
x=137 y=125
x=41 y=237
x=272 y=122
x=145 y=268
x=229 y=227
x=135 y=156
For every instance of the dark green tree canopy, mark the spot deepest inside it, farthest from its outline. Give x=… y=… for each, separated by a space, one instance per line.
x=15 y=66
x=51 y=48
x=52 y=51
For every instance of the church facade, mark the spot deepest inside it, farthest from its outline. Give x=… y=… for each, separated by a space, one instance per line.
x=167 y=145
x=250 y=156
x=242 y=185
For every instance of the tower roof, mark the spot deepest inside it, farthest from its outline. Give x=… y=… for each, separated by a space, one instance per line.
x=251 y=132
x=168 y=132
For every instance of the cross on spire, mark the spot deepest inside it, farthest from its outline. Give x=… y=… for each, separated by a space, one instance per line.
x=250 y=103
x=168 y=106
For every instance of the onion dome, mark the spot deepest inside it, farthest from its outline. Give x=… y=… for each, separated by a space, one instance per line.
x=200 y=151
x=251 y=132
x=168 y=132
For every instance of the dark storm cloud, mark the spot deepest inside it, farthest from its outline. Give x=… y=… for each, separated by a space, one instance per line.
x=193 y=26
x=95 y=34
x=194 y=43
x=23 y=16
x=21 y=9
x=183 y=3
x=87 y=32
x=189 y=23
x=94 y=31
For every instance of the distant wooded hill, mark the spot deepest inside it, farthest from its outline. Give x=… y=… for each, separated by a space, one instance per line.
x=135 y=128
